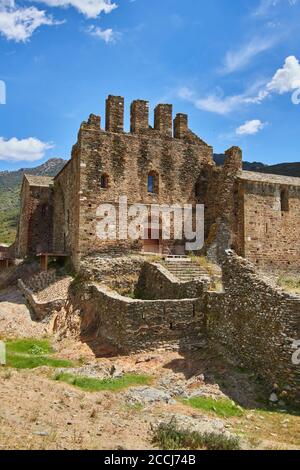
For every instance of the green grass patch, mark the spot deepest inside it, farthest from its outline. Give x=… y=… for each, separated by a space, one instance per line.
x=224 y=408
x=97 y=385
x=29 y=346
x=167 y=436
x=31 y=353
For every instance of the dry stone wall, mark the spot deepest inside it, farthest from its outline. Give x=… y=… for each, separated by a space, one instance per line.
x=257 y=324
x=156 y=282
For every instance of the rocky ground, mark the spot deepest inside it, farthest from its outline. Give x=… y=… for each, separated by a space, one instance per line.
x=37 y=412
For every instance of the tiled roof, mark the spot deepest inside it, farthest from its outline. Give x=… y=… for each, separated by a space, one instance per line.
x=268 y=178
x=45 y=181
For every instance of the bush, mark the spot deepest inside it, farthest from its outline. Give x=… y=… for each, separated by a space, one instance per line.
x=167 y=436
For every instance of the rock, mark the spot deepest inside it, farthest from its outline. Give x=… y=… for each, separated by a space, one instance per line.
x=200 y=424
x=148 y=395
x=116 y=372
x=273 y=398
x=41 y=433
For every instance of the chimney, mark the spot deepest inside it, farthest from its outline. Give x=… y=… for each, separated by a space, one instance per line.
x=181 y=126
x=163 y=119
x=139 y=116
x=114 y=114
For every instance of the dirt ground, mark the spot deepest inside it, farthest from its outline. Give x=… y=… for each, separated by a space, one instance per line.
x=37 y=412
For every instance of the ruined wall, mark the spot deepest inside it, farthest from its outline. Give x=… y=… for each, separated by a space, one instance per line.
x=156 y=282
x=66 y=208
x=217 y=189
x=271 y=234
x=35 y=230
x=126 y=159
x=135 y=325
x=257 y=324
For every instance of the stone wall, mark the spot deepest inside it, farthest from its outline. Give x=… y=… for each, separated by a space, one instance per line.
x=271 y=232
x=41 y=310
x=66 y=208
x=257 y=324
x=126 y=160
x=156 y=282
x=35 y=230
x=133 y=325
x=120 y=273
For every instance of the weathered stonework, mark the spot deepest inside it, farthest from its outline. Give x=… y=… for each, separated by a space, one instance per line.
x=256 y=215
x=257 y=324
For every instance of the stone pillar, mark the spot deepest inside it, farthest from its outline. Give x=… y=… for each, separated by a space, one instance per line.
x=234 y=159
x=114 y=114
x=181 y=126
x=163 y=119
x=139 y=116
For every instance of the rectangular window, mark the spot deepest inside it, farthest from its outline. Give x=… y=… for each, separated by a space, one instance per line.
x=284 y=200
x=151 y=183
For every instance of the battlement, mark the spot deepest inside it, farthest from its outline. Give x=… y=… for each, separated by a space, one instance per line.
x=139 y=120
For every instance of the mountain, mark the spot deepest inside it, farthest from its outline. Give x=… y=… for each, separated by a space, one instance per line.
x=284 y=169
x=10 y=186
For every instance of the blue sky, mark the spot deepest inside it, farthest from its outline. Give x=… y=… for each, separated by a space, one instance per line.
x=232 y=65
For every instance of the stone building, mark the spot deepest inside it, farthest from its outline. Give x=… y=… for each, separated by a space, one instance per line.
x=254 y=214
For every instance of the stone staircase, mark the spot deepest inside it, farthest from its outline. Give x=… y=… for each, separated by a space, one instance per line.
x=185 y=270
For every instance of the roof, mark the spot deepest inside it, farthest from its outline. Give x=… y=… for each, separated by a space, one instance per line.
x=268 y=178
x=44 y=181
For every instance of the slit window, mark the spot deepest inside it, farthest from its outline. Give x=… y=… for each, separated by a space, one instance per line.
x=152 y=183
x=284 y=200
x=104 y=181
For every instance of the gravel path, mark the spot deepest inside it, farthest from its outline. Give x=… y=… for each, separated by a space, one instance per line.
x=15 y=317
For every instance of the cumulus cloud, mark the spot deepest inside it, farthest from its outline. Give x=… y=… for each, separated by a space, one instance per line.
x=18 y=23
x=107 y=35
x=89 y=8
x=250 y=127
x=286 y=79
x=29 y=150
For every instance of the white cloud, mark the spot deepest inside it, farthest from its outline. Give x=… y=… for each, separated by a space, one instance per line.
x=90 y=8
x=220 y=104
x=29 y=150
x=107 y=35
x=250 y=127
x=18 y=24
x=286 y=79
x=238 y=59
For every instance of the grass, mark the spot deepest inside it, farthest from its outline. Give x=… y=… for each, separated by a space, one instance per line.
x=224 y=407
x=97 y=385
x=167 y=436
x=289 y=283
x=31 y=353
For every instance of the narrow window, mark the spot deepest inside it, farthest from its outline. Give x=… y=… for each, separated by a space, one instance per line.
x=284 y=200
x=153 y=183
x=104 y=181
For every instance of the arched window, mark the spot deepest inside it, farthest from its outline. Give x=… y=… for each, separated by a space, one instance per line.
x=284 y=200
x=104 y=181
x=153 y=183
